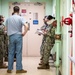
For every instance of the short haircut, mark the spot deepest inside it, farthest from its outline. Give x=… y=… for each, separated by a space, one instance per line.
x=16 y=9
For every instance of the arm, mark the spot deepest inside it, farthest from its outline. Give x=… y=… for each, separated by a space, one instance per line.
x=5 y=28
x=51 y=32
x=25 y=26
x=25 y=29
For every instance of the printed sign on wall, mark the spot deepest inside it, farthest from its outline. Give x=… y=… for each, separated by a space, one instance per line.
x=35 y=22
x=35 y=18
x=23 y=12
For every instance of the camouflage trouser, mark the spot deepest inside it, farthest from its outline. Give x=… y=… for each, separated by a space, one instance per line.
x=47 y=46
x=1 y=49
x=42 y=47
x=41 y=50
x=6 y=47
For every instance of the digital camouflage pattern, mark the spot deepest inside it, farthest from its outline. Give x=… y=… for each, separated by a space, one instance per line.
x=47 y=43
x=6 y=47
x=45 y=28
x=3 y=44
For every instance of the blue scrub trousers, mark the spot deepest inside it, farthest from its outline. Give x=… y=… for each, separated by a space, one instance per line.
x=15 y=46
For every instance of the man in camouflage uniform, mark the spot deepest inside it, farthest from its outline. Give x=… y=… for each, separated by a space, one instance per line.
x=2 y=47
x=48 y=42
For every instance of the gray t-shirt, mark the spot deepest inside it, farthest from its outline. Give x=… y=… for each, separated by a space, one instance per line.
x=14 y=24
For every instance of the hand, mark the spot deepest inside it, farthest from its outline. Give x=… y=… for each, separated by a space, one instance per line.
x=45 y=32
x=23 y=34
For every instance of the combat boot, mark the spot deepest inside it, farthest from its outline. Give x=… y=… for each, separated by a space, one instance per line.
x=44 y=66
x=41 y=58
x=41 y=62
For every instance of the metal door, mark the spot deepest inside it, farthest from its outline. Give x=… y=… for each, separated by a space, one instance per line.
x=33 y=13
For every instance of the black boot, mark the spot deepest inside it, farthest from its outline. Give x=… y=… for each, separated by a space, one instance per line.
x=41 y=62
x=44 y=66
x=41 y=58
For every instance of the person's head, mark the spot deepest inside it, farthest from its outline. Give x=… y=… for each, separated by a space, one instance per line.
x=45 y=19
x=1 y=19
x=50 y=17
x=16 y=9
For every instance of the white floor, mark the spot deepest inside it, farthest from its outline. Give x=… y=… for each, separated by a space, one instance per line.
x=30 y=64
